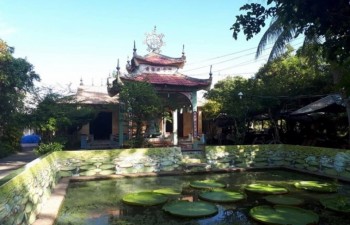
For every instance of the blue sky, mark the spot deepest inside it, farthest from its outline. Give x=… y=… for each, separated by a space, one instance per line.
x=69 y=39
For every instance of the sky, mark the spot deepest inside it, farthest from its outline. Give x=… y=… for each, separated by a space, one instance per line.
x=66 y=40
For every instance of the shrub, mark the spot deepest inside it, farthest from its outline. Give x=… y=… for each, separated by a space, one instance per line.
x=49 y=147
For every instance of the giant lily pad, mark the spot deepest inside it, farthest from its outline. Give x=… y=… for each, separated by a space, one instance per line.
x=206 y=184
x=283 y=215
x=283 y=200
x=67 y=168
x=190 y=209
x=339 y=203
x=168 y=191
x=145 y=198
x=317 y=186
x=221 y=196
x=266 y=189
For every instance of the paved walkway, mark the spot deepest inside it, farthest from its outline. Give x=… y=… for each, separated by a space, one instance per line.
x=15 y=161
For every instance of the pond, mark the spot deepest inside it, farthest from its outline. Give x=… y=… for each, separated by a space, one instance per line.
x=100 y=202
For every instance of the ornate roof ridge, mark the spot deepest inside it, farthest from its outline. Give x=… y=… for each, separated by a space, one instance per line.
x=161 y=55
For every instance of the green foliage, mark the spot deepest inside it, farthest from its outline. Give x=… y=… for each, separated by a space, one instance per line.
x=43 y=149
x=58 y=117
x=211 y=109
x=277 y=84
x=142 y=102
x=137 y=142
x=315 y=19
x=17 y=79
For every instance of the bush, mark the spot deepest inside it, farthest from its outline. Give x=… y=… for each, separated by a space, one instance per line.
x=5 y=149
x=46 y=148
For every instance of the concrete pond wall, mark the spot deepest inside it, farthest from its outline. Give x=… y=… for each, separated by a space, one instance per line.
x=22 y=198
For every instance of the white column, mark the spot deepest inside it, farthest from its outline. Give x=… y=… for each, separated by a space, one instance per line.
x=175 y=134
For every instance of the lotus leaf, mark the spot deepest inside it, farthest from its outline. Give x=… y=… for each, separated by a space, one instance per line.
x=107 y=166
x=68 y=168
x=145 y=198
x=88 y=173
x=190 y=209
x=203 y=184
x=221 y=196
x=87 y=167
x=317 y=186
x=168 y=191
x=283 y=200
x=266 y=189
x=339 y=203
x=283 y=215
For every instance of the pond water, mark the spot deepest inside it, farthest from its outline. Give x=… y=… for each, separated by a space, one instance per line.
x=99 y=202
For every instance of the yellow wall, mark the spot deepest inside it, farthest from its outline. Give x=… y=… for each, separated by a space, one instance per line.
x=187 y=123
x=85 y=129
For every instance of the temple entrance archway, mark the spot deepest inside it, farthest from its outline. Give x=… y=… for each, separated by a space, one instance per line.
x=101 y=126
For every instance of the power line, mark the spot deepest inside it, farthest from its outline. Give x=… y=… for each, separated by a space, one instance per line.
x=201 y=67
x=227 y=60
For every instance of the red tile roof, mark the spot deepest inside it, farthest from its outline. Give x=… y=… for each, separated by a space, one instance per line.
x=158 y=59
x=170 y=79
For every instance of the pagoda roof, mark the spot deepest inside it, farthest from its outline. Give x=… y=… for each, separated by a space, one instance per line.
x=170 y=79
x=159 y=59
x=94 y=95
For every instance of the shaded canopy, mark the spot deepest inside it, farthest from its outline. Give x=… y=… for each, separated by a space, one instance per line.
x=331 y=103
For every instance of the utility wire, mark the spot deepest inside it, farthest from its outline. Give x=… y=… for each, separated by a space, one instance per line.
x=251 y=53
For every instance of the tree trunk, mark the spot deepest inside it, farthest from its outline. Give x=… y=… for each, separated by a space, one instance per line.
x=276 y=137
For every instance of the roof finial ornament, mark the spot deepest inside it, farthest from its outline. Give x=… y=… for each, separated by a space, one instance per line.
x=183 y=52
x=134 y=50
x=154 y=41
x=118 y=68
x=210 y=73
x=81 y=81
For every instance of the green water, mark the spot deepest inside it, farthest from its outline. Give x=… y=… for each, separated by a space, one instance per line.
x=99 y=202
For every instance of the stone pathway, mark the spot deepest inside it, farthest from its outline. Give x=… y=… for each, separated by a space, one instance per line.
x=15 y=161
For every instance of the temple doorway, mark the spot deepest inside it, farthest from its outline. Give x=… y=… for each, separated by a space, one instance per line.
x=101 y=126
x=180 y=126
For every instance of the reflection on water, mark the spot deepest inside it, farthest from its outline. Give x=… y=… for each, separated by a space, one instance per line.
x=99 y=202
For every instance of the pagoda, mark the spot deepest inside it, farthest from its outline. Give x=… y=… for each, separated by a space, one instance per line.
x=179 y=90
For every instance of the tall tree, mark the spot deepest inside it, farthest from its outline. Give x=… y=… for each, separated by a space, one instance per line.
x=17 y=77
x=143 y=104
x=322 y=20
x=276 y=83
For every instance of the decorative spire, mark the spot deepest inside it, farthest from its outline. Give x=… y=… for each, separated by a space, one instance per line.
x=210 y=73
x=81 y=81
x=118 y=68
x=183 y=52
x=134 y=50
x=154 y=41
x=117 y=76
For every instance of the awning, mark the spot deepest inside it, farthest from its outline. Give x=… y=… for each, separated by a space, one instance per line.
x=331 y=103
